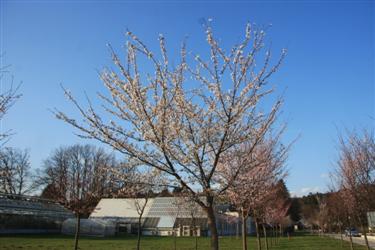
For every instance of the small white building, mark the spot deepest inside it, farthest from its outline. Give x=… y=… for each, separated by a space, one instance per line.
x=162 y=216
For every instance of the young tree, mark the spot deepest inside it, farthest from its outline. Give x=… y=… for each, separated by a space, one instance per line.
x=259 y=170
x=276 y=209
x=142 y=187
x=356 y=172
x=15 y=176
x=77 y=177
x=322 y=214
x=177 y=203
x=181 y=119
x=194 y=213
x=273 y=209
x=336 y=212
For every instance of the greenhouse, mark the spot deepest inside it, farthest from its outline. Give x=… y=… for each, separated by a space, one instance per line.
x=90 y=227
x=164 y=216
x=30 y=215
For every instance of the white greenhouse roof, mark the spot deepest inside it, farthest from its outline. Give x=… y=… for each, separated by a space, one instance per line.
x=161 y=212
x=166 y=221
x=123 y=208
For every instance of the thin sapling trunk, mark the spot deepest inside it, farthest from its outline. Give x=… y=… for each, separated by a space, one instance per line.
x=265 y=235
x=78 y=227
x=244 y=231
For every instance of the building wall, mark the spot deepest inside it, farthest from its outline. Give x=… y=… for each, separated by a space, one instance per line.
x=186 y=230
x=90 y=227
x=165 y=232
x=28 y=224
x=164 y=213
x=371 y=220
x=119 y=208
x=30 y=215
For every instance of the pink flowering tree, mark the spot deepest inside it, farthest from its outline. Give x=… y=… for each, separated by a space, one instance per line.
x=259 y=169
x=275 y=212
x=182 y=117
x=356 y=177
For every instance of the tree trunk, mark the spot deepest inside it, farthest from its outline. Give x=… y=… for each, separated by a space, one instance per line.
x=275 y=234
x=195 y=232
x=175 y=239
x=351 y=241
x=265 y=236
x=213 y=229
x=237 y=230
x=139 y=233
x=340 y=229
x=258 y=235
x=365 y=235
x=350 y=235
x=78 y=227
x=196 y=239
x=244 y=231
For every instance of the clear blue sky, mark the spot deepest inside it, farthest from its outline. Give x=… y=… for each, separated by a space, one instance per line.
x=328 y=76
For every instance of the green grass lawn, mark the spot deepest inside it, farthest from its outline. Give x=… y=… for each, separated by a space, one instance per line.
x=58 y=242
